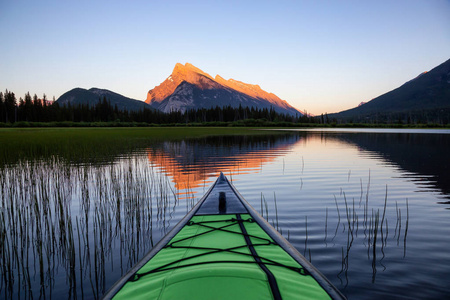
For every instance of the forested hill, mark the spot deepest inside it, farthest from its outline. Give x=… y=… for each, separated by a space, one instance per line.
x=425 y=98
x=92 y=96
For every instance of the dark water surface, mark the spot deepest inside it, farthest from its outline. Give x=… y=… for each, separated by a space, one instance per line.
x=370 y=209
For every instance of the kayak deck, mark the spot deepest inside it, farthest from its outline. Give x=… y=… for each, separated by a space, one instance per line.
x=224 y=250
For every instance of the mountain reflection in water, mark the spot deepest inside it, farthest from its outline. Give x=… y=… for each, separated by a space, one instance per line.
x=424 y=156
x=360 y=206
x=194 y=163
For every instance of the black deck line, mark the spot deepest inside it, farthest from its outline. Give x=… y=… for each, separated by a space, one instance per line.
x=272 y=281
x=332 y=291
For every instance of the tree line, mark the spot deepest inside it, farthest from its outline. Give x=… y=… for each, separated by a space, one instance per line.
x=431 y=116
x=41 y=110
x=34 y=109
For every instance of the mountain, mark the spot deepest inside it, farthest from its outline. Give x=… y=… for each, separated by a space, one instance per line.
x=188 y=87
x=92 y=96
x=429 y=92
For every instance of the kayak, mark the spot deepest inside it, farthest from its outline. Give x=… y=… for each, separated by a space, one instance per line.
x=223 y=249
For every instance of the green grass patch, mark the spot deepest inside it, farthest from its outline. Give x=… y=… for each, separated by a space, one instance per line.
x=96 y=143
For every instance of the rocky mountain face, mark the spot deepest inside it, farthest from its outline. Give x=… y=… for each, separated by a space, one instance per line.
x=188 y=87
x=426 y=94
x=92 y=96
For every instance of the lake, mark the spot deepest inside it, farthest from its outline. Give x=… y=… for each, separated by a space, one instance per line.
x=369 y=208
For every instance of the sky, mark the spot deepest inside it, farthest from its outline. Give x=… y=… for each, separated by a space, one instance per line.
x=320 y=56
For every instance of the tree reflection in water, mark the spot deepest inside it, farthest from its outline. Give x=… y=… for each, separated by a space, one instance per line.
x=71 y=230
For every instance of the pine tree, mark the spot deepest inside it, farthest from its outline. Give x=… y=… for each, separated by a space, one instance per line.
x=2 y=108
x=10 y=107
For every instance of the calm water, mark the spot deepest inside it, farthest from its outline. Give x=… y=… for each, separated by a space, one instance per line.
x=370 y=209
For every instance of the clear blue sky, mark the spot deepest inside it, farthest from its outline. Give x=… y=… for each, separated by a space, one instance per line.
x=322 y=56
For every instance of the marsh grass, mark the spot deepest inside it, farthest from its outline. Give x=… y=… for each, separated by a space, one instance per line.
x=367 y=226
x=101 y=145
x=59 y=224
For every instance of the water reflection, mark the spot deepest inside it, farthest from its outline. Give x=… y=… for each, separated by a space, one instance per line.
x=424 y=157
x=191 y=163
x=344 y=200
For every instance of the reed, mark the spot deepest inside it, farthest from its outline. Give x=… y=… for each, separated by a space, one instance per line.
x=376 y=228
x=406 y=228
x=61 y=222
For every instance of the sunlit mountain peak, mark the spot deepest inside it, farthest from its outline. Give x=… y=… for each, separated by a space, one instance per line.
x=188 y=87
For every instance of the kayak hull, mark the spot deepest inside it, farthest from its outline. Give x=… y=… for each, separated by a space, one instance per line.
x=223 y=249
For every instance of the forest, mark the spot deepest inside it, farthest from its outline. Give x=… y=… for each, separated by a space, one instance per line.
x=35 y=111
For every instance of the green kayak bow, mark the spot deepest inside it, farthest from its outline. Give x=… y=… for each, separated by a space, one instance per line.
x=223 y=249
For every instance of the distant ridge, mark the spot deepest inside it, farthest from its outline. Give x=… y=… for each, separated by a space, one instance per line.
x=188 y=87
x=91 y=97
x=428 y=92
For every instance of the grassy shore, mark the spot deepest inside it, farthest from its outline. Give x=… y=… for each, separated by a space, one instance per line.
x=89 y=144
x=81 y=144
x=117 y=132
